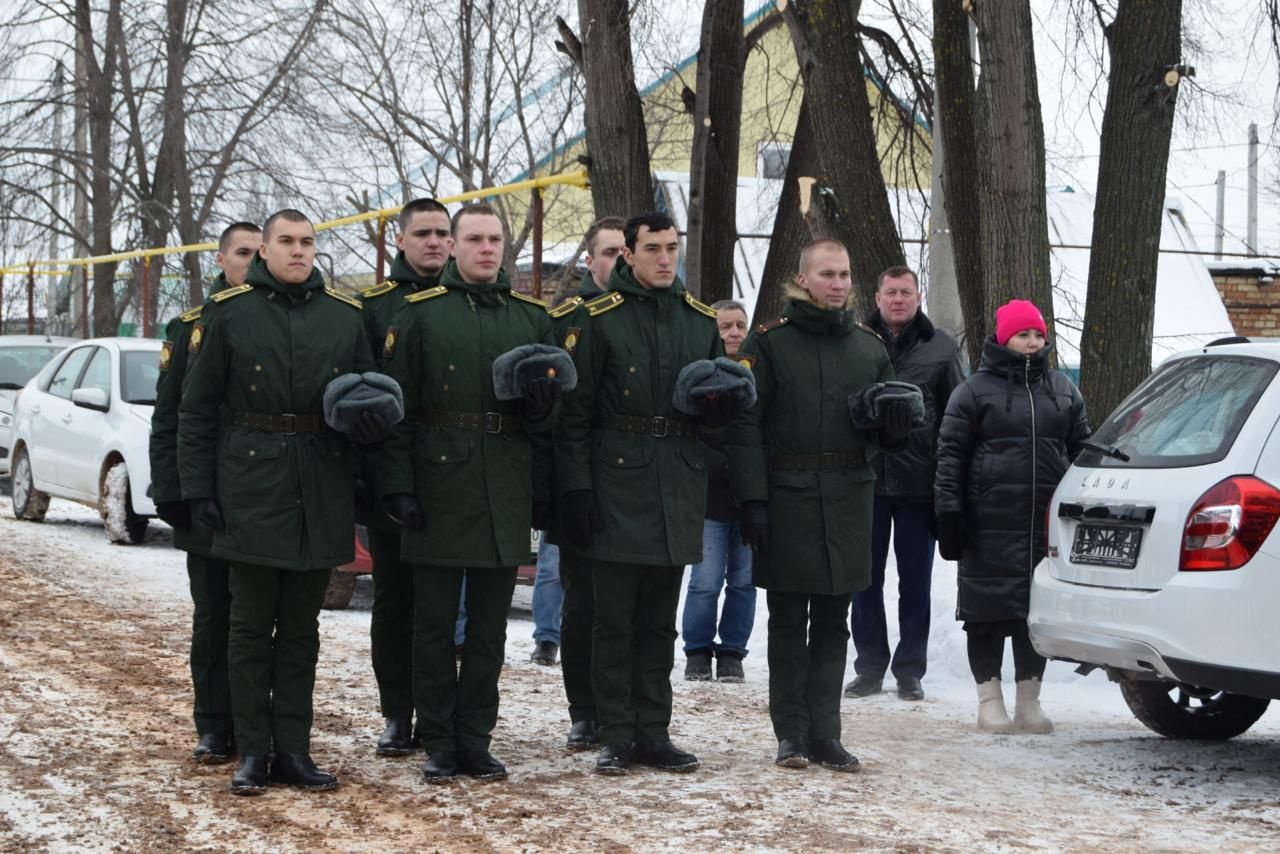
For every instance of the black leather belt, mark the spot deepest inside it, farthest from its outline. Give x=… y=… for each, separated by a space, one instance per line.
x=287 y=422
x=829 y=461
x=657 y=426
x=474 y=422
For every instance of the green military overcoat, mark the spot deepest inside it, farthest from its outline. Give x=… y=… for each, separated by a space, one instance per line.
x=270 y=348
x=475 y=488
x=629 y=345
x=807 y=364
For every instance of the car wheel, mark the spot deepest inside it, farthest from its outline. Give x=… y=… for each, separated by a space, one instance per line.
x=28 y=502
x=342 y=585
x=1176 y=710
x=122 y=524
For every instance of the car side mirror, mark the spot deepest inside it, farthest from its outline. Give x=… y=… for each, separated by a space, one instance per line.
x=91 y=398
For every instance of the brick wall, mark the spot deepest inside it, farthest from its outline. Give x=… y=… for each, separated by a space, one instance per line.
x=1253 y=306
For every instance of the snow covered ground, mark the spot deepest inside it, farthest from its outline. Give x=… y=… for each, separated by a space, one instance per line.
x=95 y=734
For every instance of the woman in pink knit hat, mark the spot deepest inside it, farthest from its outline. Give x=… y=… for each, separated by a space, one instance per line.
x=1007 y=437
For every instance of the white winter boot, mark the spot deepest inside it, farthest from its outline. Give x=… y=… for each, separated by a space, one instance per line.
x=992 y=716
x=1027 y=715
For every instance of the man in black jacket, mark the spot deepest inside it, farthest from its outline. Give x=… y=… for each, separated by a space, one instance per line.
x=929 y=358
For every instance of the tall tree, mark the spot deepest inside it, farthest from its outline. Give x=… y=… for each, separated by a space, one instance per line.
x=790 y=229
x=1144 y=44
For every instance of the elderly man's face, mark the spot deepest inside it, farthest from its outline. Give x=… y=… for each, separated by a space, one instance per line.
x=733 y=329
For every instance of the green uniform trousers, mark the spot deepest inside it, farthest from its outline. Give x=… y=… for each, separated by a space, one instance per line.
x=275 y=640
x=210 y=623
x=391 y=623
x=577 y=613
x=458 y=705
x=808 y=642
x=633 y=649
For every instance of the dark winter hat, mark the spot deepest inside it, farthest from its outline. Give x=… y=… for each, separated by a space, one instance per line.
x=704 y=379
x=515 y=368
x=1015 y=316
x=347 y=396
x=865 y=406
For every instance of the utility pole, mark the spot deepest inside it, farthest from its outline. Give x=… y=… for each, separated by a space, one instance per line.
x=78 y=302
x=1252 y=247
x=55 y=193
x=944 y=290
x=1219 y=228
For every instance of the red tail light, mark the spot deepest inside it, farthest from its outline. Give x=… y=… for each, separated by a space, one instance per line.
x=1228 y=525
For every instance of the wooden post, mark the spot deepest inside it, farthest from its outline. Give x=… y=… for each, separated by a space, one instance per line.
x=537 y=244
x=84 y=301
x=146 y=297
x=31 y=300
x=382 y=250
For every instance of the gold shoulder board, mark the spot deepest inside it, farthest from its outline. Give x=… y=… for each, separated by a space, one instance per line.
x=532 y=300
x=231 y=292
x=341 y=297
x=379 y=289
x=698 y=305
x=566 y=307
x=438 y=290
x=191 y=316
x=601 y=304
x=772 y=324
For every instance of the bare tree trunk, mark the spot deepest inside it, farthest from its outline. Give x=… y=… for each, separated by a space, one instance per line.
x=958 y=153
x=825 y=36
x=790 y=231
x=1015 y=222
x=713 y=170
x=617 y=142
x=1145 y=40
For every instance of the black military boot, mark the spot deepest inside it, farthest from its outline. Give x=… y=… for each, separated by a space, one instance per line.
x=297 y=769
x=614 y=760
x=830 y=753
x=214 y=748
x=665 y=756
x=479 y=763
x=396 y=739
x=441 y=767
x=251 y=777
x=793 y=753
x=583 y=735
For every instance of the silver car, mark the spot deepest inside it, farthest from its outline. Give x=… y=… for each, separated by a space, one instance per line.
x=21 y=357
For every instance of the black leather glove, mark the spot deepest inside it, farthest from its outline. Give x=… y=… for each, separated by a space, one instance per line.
x=539 y=396
x=755 y=526
x=579 y=518
x=542 y=517
x=176 y=513
x=951 y=535
x=405 y=510
x=370 y=428
x=895 y=424
x=718 y=411
x=207 y=512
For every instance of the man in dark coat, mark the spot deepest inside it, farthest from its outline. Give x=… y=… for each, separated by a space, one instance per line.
x=798 y=466
x=261 y=469
x=633 y=486
x=425 y=245
x=210 y=594
x=457 y=474
x=929 y=359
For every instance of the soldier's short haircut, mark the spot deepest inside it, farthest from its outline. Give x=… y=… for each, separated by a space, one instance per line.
x=895 y=272
x=812 y=245
x=653 y=220
x=225 y=237
x=418 y=206
x=728 y=305
x=607 y=223
x=476 y=209
x=286 y=214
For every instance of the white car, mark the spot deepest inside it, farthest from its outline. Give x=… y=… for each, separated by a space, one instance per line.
x=83 y=426
x=1163 y=562
x=21 y=357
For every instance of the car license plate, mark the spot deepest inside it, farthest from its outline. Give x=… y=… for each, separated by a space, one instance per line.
x=1106 y=545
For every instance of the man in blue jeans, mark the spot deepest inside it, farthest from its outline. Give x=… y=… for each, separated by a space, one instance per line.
x=548 y=596
x=928 y=358
x=726 y=562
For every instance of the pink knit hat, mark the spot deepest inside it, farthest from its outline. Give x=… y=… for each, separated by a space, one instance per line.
x=1015 y=316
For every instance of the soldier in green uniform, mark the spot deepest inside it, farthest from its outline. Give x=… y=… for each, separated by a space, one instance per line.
x=210 y=597
x=425 y=245
x=457 y=474
x=604 y=243
x=799 y=467
x=263 y=471
x=633 y=486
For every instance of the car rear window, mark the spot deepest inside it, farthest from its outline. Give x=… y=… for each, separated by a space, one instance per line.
x=1188 y=413
x=139 y=370
x=20 y=364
